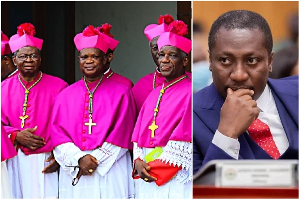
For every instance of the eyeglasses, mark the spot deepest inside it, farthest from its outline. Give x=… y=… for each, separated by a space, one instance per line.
x=23 y=57
x=93 y=57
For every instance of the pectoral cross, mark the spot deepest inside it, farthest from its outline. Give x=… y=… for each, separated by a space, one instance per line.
x=23 y=120
x=153 y=127
x=90 y=124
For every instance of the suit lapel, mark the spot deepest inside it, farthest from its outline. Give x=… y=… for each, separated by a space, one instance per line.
x=287 y=106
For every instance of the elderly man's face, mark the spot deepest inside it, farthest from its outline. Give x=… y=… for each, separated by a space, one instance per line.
x=239 y=59
x=28 y=61
x=171 y=62
x=154 y=50
x=91 y=62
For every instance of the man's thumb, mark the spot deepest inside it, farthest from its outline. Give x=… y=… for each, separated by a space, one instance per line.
x=229 y=91
x=94 y=159
x=32 y=129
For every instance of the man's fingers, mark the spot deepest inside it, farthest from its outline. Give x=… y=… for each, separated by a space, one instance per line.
x=241 y=92
x=37 y=137
x=33 y=145
x=37 y=143
x=50 y=157
x=94 y=159
x=45 y=169
x=147 y=177
x=145 y=174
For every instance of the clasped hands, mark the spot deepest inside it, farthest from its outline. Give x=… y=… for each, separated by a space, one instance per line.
x=87 y=165
x=27 y=139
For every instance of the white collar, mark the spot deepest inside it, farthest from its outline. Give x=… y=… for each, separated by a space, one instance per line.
x=157 y=70
x=107 y=71
x=13 y=73
x=265 y=101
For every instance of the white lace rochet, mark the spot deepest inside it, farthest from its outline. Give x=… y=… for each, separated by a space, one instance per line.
x=179 y=153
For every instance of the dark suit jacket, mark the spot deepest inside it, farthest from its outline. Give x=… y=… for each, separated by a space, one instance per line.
x=207 y=104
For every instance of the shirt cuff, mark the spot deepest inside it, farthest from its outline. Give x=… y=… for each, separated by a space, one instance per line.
x=13 y=136
x=229 y=145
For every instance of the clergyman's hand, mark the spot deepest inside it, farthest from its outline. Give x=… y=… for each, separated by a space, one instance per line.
x=53 y=166
x=29 y=140
x=142 y=168
x=88 y=164
x=238 y=112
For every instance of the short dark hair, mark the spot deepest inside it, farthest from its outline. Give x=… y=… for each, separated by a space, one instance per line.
x=241 y=19
x=7 y=55
x=183 y=54
x=109 y=51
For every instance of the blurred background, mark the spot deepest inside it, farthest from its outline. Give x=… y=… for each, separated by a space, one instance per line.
x=282 y=17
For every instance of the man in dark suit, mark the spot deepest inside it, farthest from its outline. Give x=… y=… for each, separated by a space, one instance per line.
x=242 y=99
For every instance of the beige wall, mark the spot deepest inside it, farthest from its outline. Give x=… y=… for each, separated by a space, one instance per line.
x=276 y=13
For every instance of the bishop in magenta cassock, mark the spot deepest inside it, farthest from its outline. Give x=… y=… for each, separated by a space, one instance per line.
x=113 y=43
x=146 y=84
x=162 y=135
x=8 y=69
x=26 y=105
x=7 y=151
x=93 y=120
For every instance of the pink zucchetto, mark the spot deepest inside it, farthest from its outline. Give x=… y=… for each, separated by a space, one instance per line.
x=91 y=38
x=25 y=37
x=177 y=29
x=105 y=29
x=153 y=30
x=5 y=49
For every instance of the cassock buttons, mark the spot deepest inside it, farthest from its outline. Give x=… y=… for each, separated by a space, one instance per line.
x=151 y=143
x=83 y=139
x=83 y=148
x=83 y=131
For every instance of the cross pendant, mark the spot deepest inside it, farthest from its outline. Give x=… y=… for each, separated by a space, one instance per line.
x=90 y=124
x=23 y=120
x=153 y=127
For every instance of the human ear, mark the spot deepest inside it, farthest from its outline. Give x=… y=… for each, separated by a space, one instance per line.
x=185 y=61
x=270 y=62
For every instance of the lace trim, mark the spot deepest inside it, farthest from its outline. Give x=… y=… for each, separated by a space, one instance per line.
x=137 y=152
x=179 y=153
